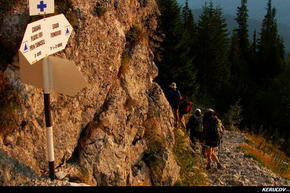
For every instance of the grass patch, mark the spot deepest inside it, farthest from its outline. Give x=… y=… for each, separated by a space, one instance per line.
x=99 y=10
x=125 y=64
x=191 y=173
x=135 y=35
x=153 y=159
x=267 y=154
x=153 y=156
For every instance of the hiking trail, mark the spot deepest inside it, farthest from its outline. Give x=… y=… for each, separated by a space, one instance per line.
x=240 y=170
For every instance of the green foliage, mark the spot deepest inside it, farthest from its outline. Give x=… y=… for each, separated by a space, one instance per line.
x=238 y=85
x=270 y=49
x=9 y=103
x=189 y=162
x=99 y=10
x=240 y=53
x=125 y=64
x=134 y=35
x=178 y=52
x=199 y=57
x=242 y=30
x=143 y=3
x=187 y=72
x=212 y=50
x=153 y=156
x=169 y=27
x=233 y=118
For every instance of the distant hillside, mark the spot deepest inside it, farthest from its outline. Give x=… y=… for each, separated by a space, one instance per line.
x=257 y=8
x=253 y=25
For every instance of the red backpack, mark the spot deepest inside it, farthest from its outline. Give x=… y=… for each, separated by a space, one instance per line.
x=185 y=106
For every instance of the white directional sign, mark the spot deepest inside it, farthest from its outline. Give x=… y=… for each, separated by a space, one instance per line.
x=64 y=77
x=45 y=37
x=41 y=7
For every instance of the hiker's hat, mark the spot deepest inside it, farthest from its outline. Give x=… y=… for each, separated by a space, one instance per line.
x=173 y=85
x=197 y=110
x=210 y=110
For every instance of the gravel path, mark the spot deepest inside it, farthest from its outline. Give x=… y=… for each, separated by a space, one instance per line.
x=240 y=170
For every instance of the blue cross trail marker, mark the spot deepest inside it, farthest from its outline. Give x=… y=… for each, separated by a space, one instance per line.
x=41 y=6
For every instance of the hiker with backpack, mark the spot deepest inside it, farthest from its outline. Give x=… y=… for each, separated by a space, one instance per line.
x=174 y=97
x=213 y=131
x=195 y=127
x=184 y=108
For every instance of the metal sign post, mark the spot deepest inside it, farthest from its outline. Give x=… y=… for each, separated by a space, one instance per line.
x=48 y=122
x=41 y=39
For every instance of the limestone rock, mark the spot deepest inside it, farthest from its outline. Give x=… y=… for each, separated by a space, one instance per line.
x=60 y=175
x=8 y=140
x=103 y=129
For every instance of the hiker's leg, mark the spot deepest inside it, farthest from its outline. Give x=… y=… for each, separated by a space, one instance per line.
x=182 y=120
x=177 y=116
x=213 y=155
x=175 y=112
x=208 y=154
x=215 y=158
x=198 y=137
x=203 y=150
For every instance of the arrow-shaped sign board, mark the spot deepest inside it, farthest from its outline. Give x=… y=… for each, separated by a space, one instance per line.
x=41 y=7
x=45 y=37
x=64 y=77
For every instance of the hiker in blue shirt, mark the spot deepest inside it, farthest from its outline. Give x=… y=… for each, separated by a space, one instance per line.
x=174 y=98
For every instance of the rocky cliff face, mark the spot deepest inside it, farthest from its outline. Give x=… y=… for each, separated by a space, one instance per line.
x=116 y=131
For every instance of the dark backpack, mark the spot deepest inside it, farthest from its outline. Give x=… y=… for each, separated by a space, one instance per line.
x=214 y=130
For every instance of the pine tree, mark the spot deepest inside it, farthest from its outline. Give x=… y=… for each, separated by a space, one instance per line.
x=236 y=82
x=170 y=29
x=188 y=19
x=212 y=52
x=186 y=49
x=242 y=30
x=177 y=48
x=245 y=57
x=254 y=45
x=253 y=59
x=270 y=48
